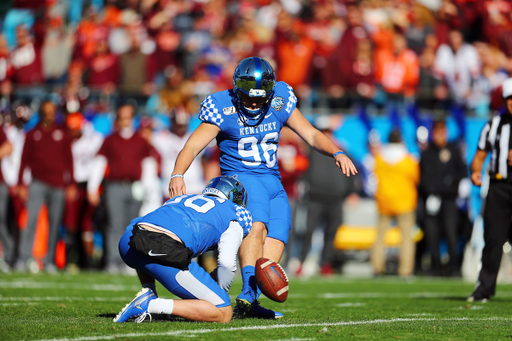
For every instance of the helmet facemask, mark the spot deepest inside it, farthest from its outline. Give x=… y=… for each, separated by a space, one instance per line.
x=253 y=83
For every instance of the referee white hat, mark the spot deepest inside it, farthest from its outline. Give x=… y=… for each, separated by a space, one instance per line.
x=507 y=88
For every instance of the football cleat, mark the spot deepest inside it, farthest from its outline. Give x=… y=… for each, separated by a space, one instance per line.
x=473 y=298
x=248 y=296
x=244 y=309
x=138 y=307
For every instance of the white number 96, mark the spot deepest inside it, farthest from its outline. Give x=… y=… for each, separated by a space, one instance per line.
x=267 y=145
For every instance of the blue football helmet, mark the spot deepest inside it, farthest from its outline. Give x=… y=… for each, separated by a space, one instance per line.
x=227 y=187
x=254 y=77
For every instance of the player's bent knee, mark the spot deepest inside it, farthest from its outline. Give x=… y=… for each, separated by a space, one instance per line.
x=258 y=230
x=226 y=314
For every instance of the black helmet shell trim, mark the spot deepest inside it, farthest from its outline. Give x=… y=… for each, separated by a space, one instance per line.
x=254 y=77
x=228 y=188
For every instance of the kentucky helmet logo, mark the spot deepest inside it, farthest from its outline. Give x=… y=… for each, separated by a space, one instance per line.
x=277 y=103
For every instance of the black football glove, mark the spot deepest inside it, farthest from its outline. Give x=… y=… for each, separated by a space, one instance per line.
x=213 y=274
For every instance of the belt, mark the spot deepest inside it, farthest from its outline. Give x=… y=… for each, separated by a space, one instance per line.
x=501 y=180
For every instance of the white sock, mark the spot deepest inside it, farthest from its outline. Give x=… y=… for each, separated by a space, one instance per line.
x=161 y=306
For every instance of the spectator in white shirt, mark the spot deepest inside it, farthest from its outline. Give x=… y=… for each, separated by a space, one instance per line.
x=79 y=213
x=169 y=144
x=459 y=65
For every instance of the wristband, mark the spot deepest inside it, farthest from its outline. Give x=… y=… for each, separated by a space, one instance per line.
x=337 y=153
x=176 y=176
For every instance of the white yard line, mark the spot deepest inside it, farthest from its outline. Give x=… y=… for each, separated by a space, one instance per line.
x=55 y=285
x=335 y=295
x=397 y=295
x=184 y=333
x=295 y=339
x=324 y=296
x=65 y=298
x=350 y=304
x=33 y=284
x=24 y=303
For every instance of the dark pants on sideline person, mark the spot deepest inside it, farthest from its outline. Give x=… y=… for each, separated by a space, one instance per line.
x=444 y=223
x=6 y=239
x=39 y=193
x=497 y=227
x=320 y=213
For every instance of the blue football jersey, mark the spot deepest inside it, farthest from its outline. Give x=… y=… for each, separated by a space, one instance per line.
x=198 y=220
x=244 y=148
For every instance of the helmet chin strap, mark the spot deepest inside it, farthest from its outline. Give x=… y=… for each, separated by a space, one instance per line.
x=245 y=119
x=254 y=113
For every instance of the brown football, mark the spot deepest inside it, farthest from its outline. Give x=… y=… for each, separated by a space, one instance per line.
x=271 y=279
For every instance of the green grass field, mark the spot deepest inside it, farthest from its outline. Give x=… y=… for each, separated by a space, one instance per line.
x=81 y=307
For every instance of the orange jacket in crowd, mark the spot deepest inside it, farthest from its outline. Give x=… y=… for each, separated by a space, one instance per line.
x=397 y=180
x=398 y=73
x=294 y=58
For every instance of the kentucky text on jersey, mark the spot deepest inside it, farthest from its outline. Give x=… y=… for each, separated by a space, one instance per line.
x=272 y=126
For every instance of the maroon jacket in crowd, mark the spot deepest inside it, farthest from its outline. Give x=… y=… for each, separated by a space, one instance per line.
x=103 y=69
x=31 y=4
x=27 y=65
x=3 y=139
x=47 y=152
x=340 y=62
x=124 y=156
x=164 y=54
x=444 y=23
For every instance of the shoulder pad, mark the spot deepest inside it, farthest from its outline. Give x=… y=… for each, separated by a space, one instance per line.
x=285 y=93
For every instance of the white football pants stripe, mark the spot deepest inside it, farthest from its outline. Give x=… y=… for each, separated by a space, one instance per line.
x=197 y=288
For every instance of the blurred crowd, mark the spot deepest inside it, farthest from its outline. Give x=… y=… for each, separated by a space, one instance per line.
x=65 y=186
x=92 y=55
x=67 y=192
x=64 y=63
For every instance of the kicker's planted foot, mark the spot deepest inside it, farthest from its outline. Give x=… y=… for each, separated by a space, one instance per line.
x=245 y=309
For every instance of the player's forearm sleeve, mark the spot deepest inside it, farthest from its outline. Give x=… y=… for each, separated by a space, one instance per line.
x=99 y=164
x=149 y=175
x=229 y=244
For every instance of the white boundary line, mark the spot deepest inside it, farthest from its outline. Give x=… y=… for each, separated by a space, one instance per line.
x=184 y=333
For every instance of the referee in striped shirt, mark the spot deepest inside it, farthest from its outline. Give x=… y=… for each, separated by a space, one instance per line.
x=496 y=139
